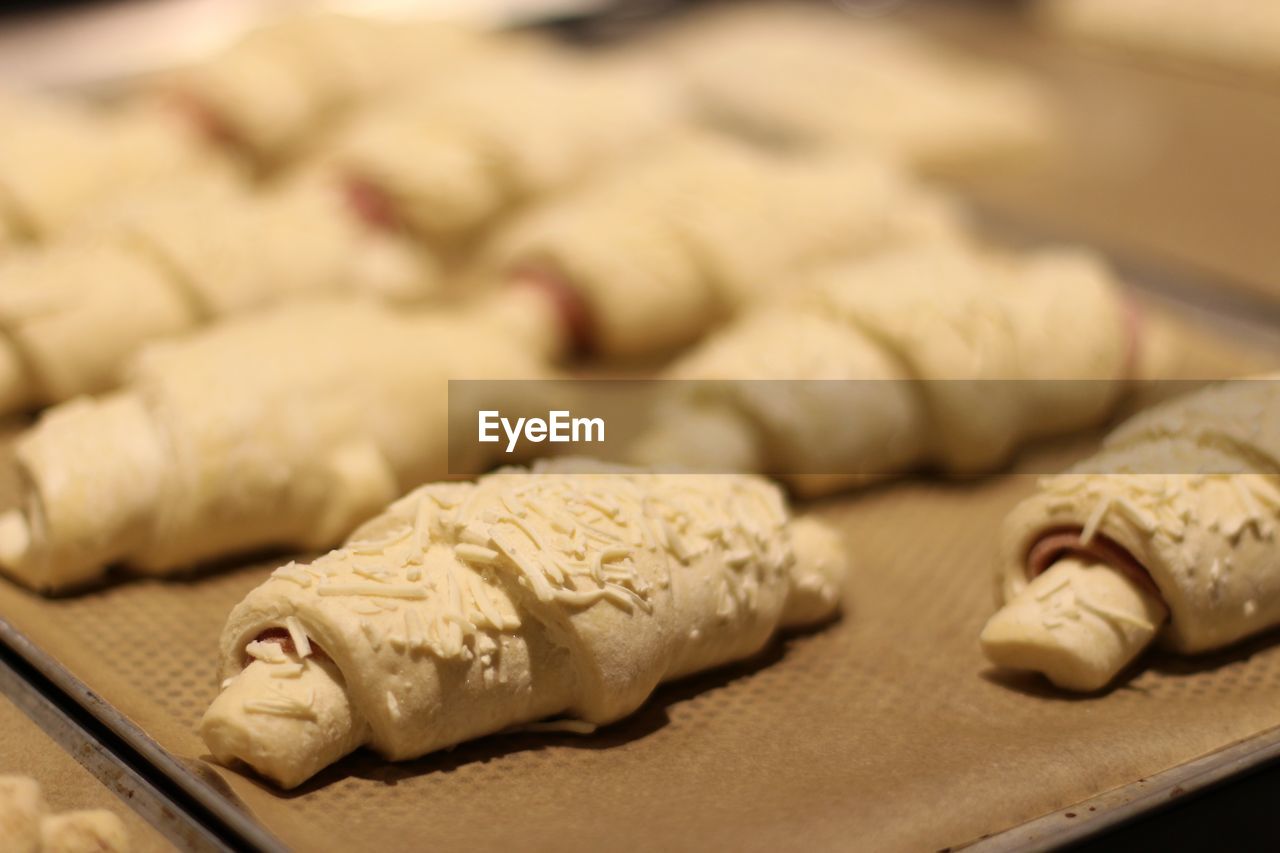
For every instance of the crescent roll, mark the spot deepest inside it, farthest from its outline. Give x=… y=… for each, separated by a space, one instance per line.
x=1167 y=535
x=278 y=87
x=651 y=256
x=445 y=163
x=285 y=429
x=60 y=158
x=166 y=262
x=886 y=337
x=468 y=608
x=26 y=826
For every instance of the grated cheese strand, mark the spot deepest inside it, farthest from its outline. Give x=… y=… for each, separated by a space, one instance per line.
x=299 y=636
x=374 y=590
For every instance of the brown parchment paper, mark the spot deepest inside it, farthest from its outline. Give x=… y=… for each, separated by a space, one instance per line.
x=885 y=730
x=26 y=750
x=1149 y=159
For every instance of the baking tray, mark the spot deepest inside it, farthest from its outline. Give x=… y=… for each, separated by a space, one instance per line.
x=45 y=752
x=886 y=729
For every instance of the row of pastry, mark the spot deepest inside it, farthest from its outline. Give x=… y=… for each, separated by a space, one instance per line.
x=286 y=428
x=288 y=92
x=571 y=591
x=407 y=159
x=465 y=609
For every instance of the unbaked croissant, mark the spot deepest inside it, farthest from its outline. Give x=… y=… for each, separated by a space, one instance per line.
x=900 y=351
x=651 y=256
x=167 y=261
x=802 y=74
x=283 y=429
x=26 y=826
x=60 y=158
x=1167 y=535
x=467 y=608
x=445 y=162
x=270 y=94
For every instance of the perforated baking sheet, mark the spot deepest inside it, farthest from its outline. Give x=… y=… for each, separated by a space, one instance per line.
x=886 y=729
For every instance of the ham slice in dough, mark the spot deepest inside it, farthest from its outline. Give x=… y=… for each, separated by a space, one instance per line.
x=650 y=257
x=1167 y=535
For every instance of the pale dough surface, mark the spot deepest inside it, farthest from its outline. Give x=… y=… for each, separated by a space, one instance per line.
x=572 y=589
x=1190 y=490
x=941 y=354
x=284 y=429
x=702 y=226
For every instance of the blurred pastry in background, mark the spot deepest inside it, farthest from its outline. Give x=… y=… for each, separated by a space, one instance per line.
x=165 y=261
x=1167 y=535
x=939 y=355
x=446 y=161
x=1237 y=35
x=27 y=826
x=258 y=106
x=61 y=156
x=812 y=75
x=272 y=94
x=285 y=429
x=652 y=255
x=571 y=590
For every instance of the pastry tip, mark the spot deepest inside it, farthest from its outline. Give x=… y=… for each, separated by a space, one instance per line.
x=1080 y=623
x=15 y=538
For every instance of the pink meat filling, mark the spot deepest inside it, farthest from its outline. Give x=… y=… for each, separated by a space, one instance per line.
x=1056 y=544
x=281 y=637
x=205 y=119
x=372 y=204
x=566 y=302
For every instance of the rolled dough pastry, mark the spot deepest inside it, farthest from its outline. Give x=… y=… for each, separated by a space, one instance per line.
x=272 y=92
x=167 y=261
x=284 y=429
x=446 y=161
x=659 y=251
x=27 y=827
x=60 y=158
x=1180 y=510
x=1242 y=35
x=942 y=355
x=467 y=608
x=799 y=73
